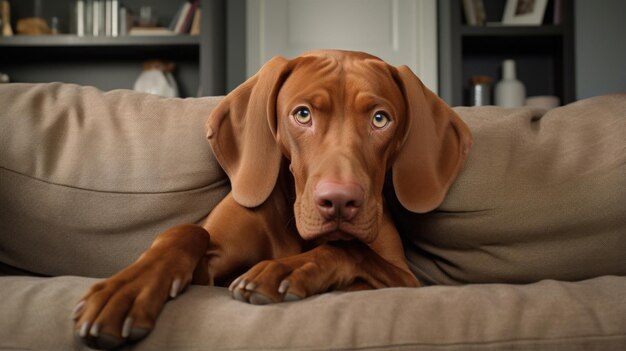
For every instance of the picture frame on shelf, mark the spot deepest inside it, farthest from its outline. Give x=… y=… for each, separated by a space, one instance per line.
x=524 y=12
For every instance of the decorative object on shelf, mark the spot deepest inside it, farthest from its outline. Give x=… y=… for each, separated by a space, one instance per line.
x=4 y=78
x=54 y=25
x=480 y=90
x=147 y=17
x=33 y=26
x=474 y=12
x=546 y=102
x=510 y=92
x=545 y=54
x=5 y=10
x=156 y=78
x=524 y=12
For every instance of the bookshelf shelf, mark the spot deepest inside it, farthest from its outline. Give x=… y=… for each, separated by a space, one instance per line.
x=511 y=31
x=108 y=62
x=43 y=41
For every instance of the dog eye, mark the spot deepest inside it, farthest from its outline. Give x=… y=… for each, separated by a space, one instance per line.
x=380 y=120
x=302 y=115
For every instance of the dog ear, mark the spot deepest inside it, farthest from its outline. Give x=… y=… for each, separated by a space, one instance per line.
x=434 y=147
x=241 y=132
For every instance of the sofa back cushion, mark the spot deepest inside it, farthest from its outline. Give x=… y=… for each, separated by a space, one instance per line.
x=90 y=178
x=540 y=196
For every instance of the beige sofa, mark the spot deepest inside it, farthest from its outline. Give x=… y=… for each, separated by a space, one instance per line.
x=528 y=252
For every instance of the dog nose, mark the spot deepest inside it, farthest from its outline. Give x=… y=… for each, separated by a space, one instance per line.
x=338 y=201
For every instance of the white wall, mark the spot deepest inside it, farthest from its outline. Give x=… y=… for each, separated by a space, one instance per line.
x=401 y=32
x=600 y=47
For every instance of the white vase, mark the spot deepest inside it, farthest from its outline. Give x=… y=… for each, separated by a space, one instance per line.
x=510 y=92
x=156 y=78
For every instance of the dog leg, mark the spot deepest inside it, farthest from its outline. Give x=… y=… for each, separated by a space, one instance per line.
x=332 y=266
x=125 y=306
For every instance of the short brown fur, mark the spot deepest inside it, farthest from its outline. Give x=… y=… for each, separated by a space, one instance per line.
x=306 y=213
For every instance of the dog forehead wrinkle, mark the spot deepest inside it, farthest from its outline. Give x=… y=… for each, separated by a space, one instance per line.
x=300 y=91
x=366 y=101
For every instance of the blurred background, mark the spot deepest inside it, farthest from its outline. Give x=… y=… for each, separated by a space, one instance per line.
x=566 y=49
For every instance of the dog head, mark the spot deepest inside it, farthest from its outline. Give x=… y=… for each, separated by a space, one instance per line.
x=342 y=120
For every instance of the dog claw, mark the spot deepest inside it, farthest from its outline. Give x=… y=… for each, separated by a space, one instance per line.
x=128 y=323
x=107 y=342
x=259 y=299
x=291 y=297
x=84 y=329
x=95 y=330
x=138 y=333
x=282 y=288
x=78 y=309
x=175 y=289
x=234 y=284
x=238 y=295
x=133 y=334
x=103 y=342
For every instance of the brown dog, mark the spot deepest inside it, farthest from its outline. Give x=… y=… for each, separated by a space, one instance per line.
x=310 y=139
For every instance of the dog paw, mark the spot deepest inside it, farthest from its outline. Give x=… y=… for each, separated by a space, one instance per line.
x=123 y=309
x=286 y=279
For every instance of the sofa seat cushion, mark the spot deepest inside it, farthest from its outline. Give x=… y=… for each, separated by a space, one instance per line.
x=541 y=196
x=90 y=177
x=547 y=315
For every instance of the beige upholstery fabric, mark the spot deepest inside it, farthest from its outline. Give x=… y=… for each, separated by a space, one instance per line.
x=549 y=315
x=89 y=178
x=541 y=196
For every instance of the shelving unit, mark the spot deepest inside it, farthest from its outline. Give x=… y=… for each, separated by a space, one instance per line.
x=62 y=40
x=544 y=54
x=115 y=62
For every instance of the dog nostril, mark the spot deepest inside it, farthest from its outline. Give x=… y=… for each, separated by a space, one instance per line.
x=326 y=203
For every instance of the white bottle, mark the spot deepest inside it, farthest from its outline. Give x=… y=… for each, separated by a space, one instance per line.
x=510 y=92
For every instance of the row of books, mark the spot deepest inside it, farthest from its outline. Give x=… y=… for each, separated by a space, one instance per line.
x=186 y=21
x=112 y=18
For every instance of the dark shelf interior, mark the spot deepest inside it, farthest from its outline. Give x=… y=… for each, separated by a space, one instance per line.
x=544 y=54
x=511 y=31
x=538 y=62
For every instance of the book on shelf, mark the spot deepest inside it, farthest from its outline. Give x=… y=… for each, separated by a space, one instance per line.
x=80 y=17
x=111 y=18
x=104 y=18
x=195 y=25
x=188 y=13
x=474 y=11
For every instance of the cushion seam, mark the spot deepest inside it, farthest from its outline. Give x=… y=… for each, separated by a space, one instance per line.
x=458 y=344
x=210 y=185
x=411 y=345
